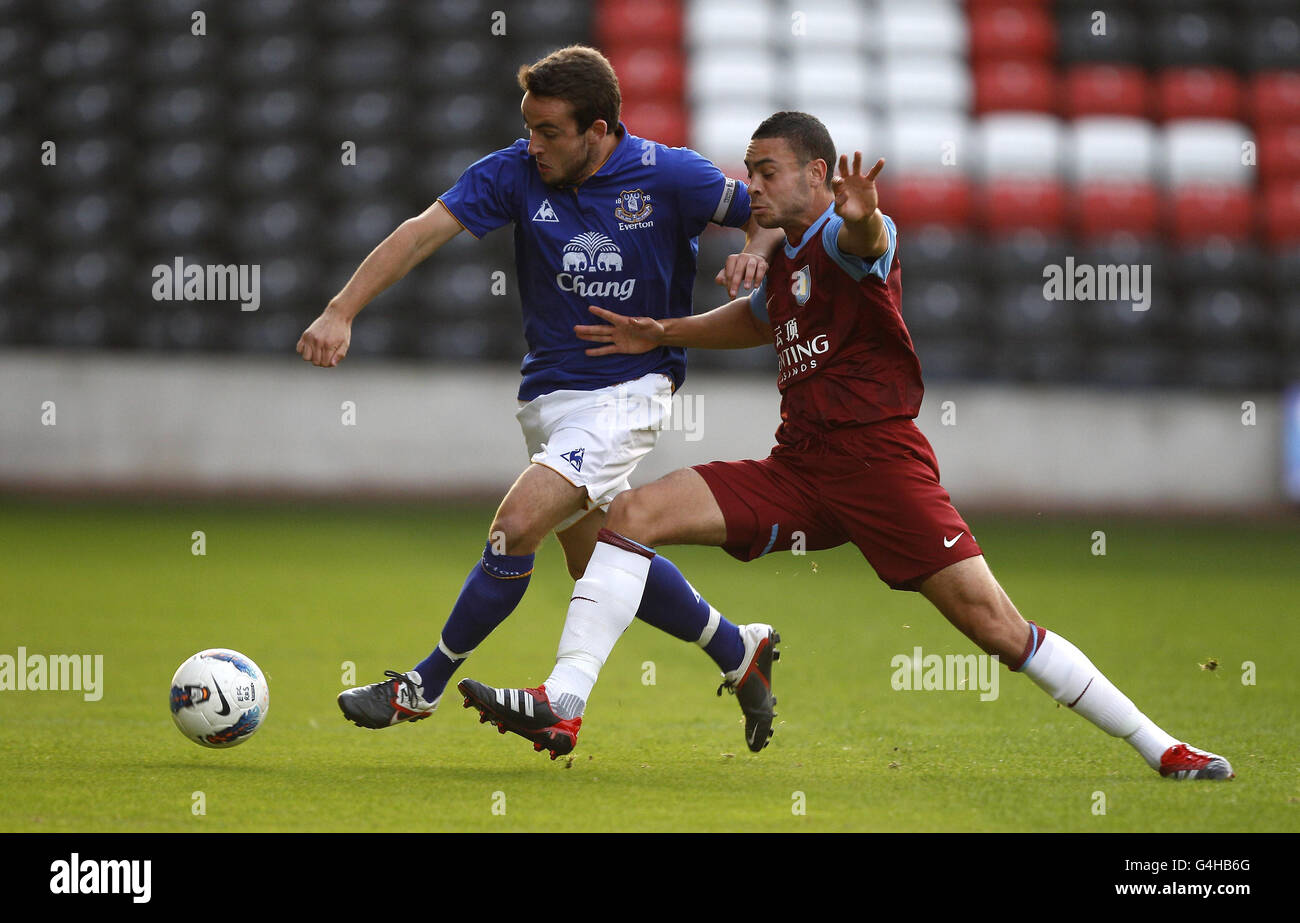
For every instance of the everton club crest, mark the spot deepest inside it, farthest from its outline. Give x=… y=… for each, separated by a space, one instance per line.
x=633 y=206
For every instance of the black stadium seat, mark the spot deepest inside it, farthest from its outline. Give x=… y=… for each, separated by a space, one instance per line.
x=938 y=305
x=352 y=17
x=1021 y=312
x=1233 y=367
x=1188 y=38
x=363 y=62
x=271 y=60
x=1223 y=316
x=439 y=66
x=1272 y=41
x=1124 y=41
x=259 y=17
x=182 y=165
x=285 y=111
x=1219 y=262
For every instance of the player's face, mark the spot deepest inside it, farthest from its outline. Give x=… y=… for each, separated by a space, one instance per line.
x=562 y=153
x=780 y=187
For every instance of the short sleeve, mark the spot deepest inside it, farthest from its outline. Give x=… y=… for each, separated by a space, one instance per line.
x=856 y=266
x=705 y=193
x=758 y=301
x=485 y=197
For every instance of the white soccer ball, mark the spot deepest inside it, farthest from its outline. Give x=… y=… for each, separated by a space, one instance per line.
x=219 y=698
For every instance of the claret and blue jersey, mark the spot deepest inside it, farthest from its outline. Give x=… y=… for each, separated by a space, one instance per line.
x=625 y=239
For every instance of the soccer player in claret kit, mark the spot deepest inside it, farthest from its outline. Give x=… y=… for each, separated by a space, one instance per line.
x=600 y=215
x=850 y=465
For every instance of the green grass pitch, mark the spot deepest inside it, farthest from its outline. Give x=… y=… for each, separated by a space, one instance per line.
x=304 y=590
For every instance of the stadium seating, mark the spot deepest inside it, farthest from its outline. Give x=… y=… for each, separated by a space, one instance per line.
x=1017 y=132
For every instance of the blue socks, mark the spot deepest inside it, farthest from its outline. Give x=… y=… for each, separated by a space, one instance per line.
x=491 y=592
x=671 y=604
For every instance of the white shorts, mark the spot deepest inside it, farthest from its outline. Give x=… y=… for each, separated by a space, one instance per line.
x=594 y=439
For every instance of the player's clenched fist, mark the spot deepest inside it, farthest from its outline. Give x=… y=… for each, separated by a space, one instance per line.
x=325 y=342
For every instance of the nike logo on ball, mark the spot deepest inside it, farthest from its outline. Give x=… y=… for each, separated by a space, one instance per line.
x=949 y=542
x=225 y=706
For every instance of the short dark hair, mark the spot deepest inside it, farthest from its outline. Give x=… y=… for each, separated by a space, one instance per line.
x=581 y=76
x=805 y=134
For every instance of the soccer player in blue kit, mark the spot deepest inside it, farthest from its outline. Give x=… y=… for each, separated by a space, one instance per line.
x=601 y=217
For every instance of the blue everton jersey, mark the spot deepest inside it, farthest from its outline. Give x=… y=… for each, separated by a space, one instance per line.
x=625 y=239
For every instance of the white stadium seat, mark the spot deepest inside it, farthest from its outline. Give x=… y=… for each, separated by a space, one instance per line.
x=926 y=27
x=1021 y=145
x=832 y=76
x=928 y=143
x=1205 y=151
x=730 y=24
x=853 y=129
x=732 y=74
x=721 y=132
x=829 y=24
x=926 y=82
x=1105 y=148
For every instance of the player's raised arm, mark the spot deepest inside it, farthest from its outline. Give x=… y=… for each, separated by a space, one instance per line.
x=732 y=326
x=326 y=341
x=863 y=233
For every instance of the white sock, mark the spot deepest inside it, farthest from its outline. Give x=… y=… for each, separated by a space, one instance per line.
x=604 y=604
x=1064 y=673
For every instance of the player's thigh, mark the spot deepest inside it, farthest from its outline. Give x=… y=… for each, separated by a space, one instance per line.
x=536 y=503
x=677 y=509
x=578 y=541
x=971 y=599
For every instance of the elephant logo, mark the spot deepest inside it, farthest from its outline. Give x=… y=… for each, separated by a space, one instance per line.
x=592 y=250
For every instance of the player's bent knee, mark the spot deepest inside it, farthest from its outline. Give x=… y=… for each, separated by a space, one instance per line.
x=630 y=516
x=520 y=532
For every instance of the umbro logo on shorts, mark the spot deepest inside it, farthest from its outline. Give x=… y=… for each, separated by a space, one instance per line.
x=574 y=458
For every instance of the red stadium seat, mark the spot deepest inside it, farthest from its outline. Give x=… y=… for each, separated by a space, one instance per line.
x=1280 y=213
x=1101 y=209
x=663 y=122
x=1274 y=97
x=1198 y=93
x=977 y=8
x=623 y=22
x=648 y=72
x=1011 y=205
x=1198 y=213
x=916 y=201
x=1105 y=89
x=1013 y=32
x=1002 y=86
x=1279 y=152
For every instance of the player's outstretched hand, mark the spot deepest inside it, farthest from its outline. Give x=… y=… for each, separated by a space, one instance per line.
x=326 y=341
x=745 y=269
x=622 y=334
x=855 y=194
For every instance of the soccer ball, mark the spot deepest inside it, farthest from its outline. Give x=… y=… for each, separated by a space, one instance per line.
x=219 y=698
